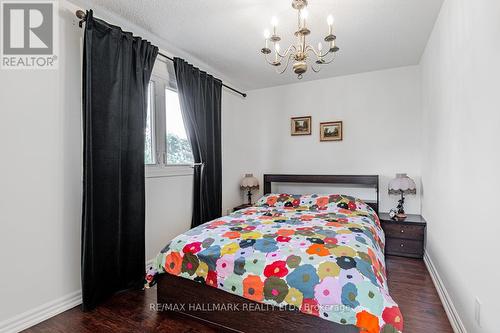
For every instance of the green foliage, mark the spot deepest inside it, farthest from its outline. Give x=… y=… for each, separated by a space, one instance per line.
x=179 y=150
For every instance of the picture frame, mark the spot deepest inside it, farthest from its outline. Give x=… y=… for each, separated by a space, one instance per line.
x=331 y=131
x=301 y=125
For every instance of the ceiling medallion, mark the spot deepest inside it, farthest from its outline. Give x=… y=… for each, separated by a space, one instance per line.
x=299 y=52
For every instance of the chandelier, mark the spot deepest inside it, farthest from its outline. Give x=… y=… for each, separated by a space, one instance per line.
x=299 y=52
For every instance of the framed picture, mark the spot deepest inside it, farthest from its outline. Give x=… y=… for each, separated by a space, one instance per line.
x=301 y=125
x=331 y=131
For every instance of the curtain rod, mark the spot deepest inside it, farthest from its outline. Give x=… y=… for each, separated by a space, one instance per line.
x=82 y=16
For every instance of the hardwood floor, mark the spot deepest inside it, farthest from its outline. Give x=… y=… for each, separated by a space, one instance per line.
x=409 y=284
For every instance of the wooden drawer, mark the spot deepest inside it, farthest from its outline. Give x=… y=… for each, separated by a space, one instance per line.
x=415 y=232
x=404 y=247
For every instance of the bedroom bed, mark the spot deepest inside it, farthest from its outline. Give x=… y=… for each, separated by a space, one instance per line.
x=294 y=263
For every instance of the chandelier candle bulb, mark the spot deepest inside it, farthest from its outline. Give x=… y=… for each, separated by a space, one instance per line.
x=266 y=37
x=329 y=20
x=274 y=23
x=303 y=15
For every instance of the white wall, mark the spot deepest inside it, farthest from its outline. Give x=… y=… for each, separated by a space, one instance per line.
x=382 y=129
x=40 y=181
x=461 y=160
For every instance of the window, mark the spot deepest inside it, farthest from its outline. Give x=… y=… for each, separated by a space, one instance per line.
x=178 y=146
x=166 y=146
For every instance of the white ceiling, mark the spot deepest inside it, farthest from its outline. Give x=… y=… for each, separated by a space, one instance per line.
x=228 y=34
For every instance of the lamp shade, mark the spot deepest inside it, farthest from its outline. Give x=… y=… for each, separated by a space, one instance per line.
x=402 y=183
x=249 y=182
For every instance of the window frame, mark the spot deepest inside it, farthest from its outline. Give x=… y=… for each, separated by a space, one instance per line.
x=158 y=118
x=151 y=102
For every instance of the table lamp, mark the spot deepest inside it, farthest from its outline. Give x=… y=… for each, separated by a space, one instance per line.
x=249 y=183
x=401 y=185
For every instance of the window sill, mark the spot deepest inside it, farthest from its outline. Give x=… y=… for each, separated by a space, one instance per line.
x=168 y=171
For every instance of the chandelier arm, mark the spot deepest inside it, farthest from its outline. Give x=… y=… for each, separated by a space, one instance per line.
x=314 y=69
x=317 y=54
x=267 y=60
x=287 y=51
x=330 y=61
x=286 y=66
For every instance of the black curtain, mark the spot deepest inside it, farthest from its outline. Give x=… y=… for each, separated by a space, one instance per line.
x=116 y=71
x=200 y=101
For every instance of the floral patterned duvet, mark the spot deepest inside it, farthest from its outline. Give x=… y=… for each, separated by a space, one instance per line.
x=320 y=254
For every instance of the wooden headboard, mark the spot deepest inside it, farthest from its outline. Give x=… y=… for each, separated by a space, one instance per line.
x=364 y=181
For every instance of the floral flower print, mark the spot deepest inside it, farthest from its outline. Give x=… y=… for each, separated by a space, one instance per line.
x=304 y=278
x=294 y=297
x=285 y=232
x=393 y=317
x=349 y=294
x=207 y=242
x=189 y=263
x=369 y=295
x=230 y=248
x=210 y=256
x=327 y=292
x=366 y=269
x=211 y=279
x=328 y=268
x=315 y=240
x=251 y=235
x=275 y=289
x=225 y=266
x=318 y=249
x=232 y=234
x=239 y=266
x=322 y=202
x=277 y=268
x=247 y=243
x=202 y=270
x=244 y=252
x=367 y=322
x=271 y=201
x=310 y=306
x=301 y=252
x=192 y=247
x=234 y=284
x=343 y=205
x=283 y=239
x=173 y=262
x=340 y=314
x=346 y=262
x=255 y=263
x=346 y=251
x=293 y=261
x=350 y=275
x=253 y=288
x=265 y=245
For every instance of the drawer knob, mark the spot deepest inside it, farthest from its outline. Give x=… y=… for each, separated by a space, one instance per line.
x=402 y=231
x=401 y=245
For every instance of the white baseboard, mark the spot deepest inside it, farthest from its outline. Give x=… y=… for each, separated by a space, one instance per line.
x=44 y=311
x=451 y=311
x=41 y=313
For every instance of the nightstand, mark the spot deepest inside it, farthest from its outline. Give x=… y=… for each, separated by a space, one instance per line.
x=404 y=238
x=241 y=207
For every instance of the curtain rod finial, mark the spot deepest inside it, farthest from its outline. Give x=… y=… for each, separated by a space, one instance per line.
x=80 y=14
